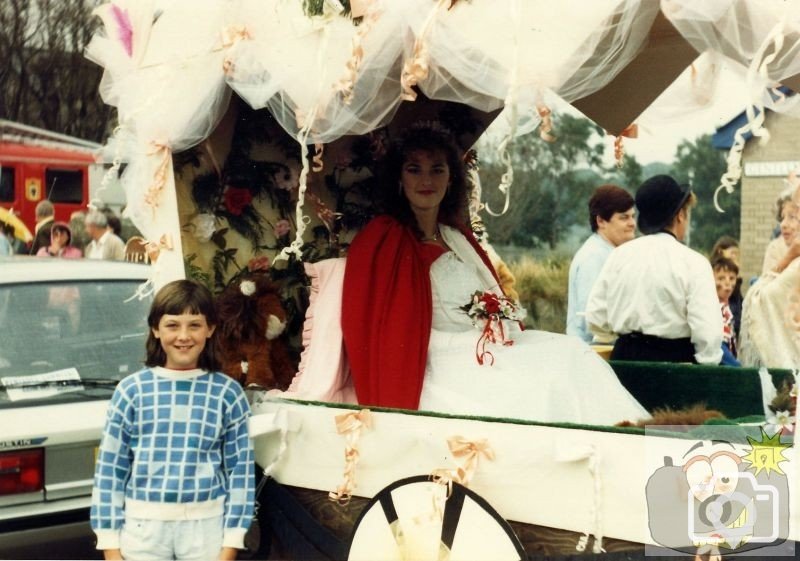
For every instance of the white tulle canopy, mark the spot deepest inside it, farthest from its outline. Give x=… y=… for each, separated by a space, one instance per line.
x=171 y=66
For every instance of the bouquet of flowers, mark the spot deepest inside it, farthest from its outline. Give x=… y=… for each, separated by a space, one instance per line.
x=487 y=312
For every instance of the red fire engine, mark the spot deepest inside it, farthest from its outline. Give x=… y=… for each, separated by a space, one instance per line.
x=37 y=164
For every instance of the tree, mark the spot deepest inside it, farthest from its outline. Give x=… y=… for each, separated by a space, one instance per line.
x=552 y=181
x=631 y=173
x=45 y=80
x=701 y=165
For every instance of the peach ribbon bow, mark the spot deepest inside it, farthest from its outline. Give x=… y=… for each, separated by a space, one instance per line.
x=164 y=167
x=546 y=126
x=631 y=131
x=416 y=69
x=469 y=452
x=350 y=425
x=231 y=35
x=153 y=249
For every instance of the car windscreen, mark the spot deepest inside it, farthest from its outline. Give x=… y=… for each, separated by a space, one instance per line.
x=68 y=341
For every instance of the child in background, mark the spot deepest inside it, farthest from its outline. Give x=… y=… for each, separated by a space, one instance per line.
x=728 y=247
x=175 y=471
x=725 y=274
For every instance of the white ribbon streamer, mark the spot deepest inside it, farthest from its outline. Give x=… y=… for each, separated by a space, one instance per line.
x=588 y=452
x=511 y=101
x=755 y=111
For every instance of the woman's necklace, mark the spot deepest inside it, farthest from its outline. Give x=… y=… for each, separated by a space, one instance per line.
x=433 y=238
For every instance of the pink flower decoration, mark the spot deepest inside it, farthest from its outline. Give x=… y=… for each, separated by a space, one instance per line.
x=287 y=180
x=282 y=228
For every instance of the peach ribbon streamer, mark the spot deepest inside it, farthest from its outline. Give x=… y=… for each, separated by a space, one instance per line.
x=230 y=36
x=416 y=68
x=153 y=249
x=324 y=213
x=346 y=85
x=153 y=193
x=631 y=131
x=319 y=149
x=469 y=452
x=350 y=425
x=547 y=122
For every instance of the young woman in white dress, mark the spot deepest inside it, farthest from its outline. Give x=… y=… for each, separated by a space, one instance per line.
x=408 y=340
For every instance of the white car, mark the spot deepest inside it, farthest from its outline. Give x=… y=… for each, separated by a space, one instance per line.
x=69 y=331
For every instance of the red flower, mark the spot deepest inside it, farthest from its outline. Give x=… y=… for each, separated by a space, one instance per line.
x=491 y=303
x=236 y=199
x=260 y=263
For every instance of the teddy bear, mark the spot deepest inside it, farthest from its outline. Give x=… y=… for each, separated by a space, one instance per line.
x=250 y=320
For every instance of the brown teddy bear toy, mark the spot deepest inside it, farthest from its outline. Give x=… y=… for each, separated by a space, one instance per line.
x=250 y=319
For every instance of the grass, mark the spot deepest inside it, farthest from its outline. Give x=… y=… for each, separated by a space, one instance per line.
x=542 y=288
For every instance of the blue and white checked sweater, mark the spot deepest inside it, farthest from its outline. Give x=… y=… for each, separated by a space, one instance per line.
x=175 y=447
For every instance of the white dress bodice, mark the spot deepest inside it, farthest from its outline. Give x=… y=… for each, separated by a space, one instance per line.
x=453 y=282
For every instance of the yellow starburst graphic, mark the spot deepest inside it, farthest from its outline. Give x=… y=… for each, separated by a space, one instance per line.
x=766 y=454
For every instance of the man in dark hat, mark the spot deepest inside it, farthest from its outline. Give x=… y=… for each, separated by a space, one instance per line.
x=657 y=295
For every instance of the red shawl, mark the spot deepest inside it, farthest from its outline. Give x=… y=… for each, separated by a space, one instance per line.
x=386 y=313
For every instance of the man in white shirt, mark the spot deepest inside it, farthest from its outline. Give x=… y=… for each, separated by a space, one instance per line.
x=105 y=244
x=655 y=293
x=611 y=217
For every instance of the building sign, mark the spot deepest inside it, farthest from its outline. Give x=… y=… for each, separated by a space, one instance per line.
x=770 y=169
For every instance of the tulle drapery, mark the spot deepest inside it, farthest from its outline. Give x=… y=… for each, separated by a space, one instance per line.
x=171 y=65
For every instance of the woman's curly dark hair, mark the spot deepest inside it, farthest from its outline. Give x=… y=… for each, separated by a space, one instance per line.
x=427 y=137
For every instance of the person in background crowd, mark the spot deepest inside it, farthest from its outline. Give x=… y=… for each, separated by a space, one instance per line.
x=726 y=272
x=728 y=247
x=60 y=243
x=770 y=315
x=104 y=243
x=5 y=239
x=45 y=214
x=777 y=248
x=77 y=224
x=612 y=219
x=114 y=222
x=655 y=293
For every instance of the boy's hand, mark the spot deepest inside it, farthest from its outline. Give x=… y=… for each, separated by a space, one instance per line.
x=112 y=554
x=228 y=554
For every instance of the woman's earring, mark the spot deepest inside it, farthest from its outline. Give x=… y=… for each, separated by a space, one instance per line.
x=399 y=187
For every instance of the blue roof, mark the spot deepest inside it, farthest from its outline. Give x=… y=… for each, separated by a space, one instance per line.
x=723 y=138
